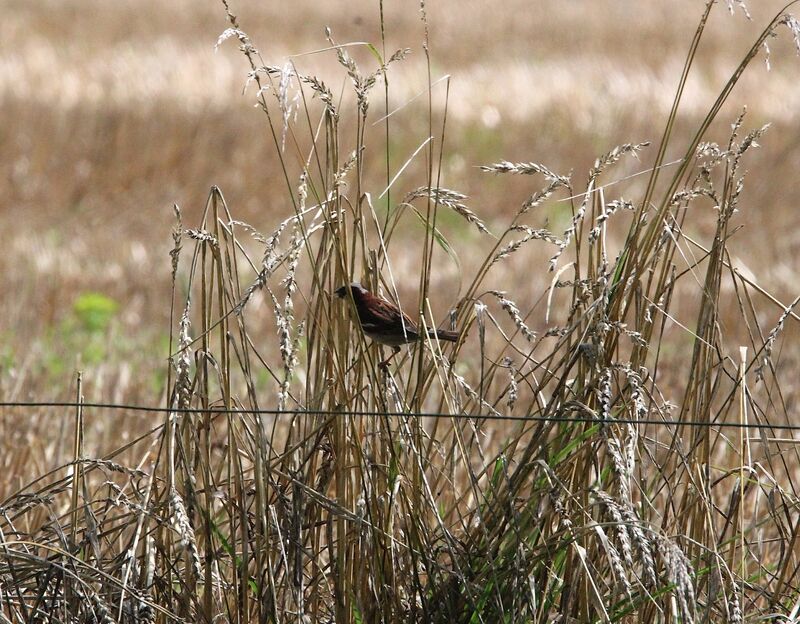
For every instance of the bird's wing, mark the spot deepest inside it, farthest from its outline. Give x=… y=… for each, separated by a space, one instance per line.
x=379 y=312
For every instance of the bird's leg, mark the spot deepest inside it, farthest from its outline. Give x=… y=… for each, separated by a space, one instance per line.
x=385 y=364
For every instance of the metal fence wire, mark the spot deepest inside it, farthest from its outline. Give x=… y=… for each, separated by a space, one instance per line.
x=441 y=415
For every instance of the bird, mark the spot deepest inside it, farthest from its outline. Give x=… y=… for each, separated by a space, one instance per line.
x=385 y=323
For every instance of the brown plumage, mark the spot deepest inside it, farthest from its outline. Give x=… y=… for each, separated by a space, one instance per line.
x=385 y=323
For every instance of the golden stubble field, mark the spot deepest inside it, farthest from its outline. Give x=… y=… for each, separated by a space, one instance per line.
x=113 y=112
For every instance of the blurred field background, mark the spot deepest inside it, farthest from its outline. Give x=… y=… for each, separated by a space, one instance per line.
x=113 y=111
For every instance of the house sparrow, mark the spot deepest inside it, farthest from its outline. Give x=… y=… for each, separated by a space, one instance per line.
x=385 y=323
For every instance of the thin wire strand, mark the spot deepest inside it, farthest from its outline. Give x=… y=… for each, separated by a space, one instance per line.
x=495 y=417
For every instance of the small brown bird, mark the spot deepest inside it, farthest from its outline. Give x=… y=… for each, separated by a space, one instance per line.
x=385 y=323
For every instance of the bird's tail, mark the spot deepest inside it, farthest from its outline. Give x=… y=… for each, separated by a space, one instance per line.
x=443 y=334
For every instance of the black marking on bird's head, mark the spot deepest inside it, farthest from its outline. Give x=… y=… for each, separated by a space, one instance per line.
x=355 y=288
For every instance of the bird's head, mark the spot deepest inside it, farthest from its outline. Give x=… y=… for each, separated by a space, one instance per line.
x=355 y=288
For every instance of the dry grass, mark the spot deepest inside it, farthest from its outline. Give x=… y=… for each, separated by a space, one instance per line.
x=584 y=504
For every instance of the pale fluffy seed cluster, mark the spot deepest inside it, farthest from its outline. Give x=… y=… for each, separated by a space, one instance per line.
x=183 y=384
x=679 y=572
x=513 y=311
x=530 y=234
x=449 y=199
x=769 y=343
x=183 y=526
x=525 y=168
